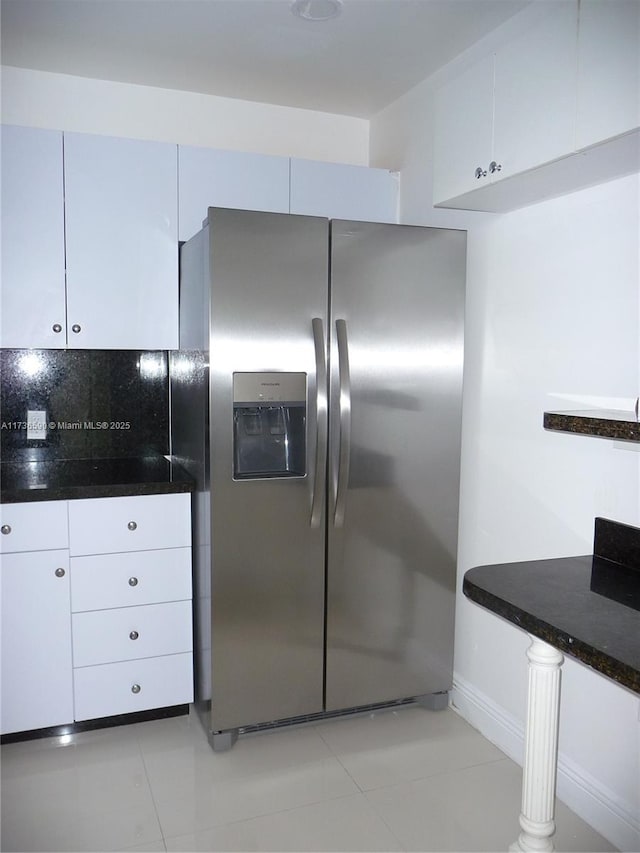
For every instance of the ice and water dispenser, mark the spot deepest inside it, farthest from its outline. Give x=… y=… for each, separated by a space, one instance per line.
x=269 y=425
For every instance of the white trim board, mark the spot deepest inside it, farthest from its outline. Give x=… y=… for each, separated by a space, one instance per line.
x=593 y=802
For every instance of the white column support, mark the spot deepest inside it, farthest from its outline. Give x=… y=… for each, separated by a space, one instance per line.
x=541 y=749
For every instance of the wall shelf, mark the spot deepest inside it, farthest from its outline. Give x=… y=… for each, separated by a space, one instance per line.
x=605 y=423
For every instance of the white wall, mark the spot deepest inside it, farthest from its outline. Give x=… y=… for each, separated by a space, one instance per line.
x=552 y=322
x=63 y=102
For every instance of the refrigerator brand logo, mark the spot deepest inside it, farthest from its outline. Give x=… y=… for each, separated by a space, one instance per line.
x=270 y=384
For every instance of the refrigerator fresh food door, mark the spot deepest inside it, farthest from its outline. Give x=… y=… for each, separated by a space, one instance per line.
x=397 y=300
x=269 y=294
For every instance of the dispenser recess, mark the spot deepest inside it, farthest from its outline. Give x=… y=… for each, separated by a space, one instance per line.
x=269 y=425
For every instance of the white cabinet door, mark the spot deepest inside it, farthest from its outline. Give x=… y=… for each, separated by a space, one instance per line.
x=209 y=177
x=122 y=243
x=463 y=132
x=33 y=283
x=535 y=92
x=608 y=70
x=37 y=689
x=340 y=191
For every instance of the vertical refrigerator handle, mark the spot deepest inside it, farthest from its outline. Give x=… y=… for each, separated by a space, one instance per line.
x=344 y=456
x=321 y=422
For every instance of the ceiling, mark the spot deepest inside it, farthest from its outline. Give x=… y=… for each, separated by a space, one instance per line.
x=251 y=49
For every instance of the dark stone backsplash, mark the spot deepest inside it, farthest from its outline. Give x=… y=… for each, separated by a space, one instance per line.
x=98 y=403
x=617 y=542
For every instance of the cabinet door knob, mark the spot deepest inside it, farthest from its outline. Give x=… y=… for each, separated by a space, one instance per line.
x=494 y=167
x=57 y=328
x=134 y=635
x=6 y=529
x=132 y=525
x=135 y=688
x=76 y=328
x=60 y=573
x=480 y=172
x=133 y=581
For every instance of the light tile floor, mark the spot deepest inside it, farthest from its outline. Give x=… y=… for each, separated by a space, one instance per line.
x=407 y=779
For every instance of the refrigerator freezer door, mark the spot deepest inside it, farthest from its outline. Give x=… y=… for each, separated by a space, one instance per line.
x=269 y=275
x=397 y=299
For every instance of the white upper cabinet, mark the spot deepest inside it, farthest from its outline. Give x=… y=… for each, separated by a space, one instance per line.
x=340 y=191
x=608 y=70
x=510 y=112
x=565 y=110
x=214 y=178
x=33 y=285
x=534 y=93
x=122 y=243
x=463 y=145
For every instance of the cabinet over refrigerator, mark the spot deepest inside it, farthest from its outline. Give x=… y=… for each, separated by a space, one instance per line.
x=316 y=399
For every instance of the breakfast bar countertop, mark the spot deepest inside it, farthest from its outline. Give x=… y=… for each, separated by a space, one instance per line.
x=48 y=480
x=572 y=603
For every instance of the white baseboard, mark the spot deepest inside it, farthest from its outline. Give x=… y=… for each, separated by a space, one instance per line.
x=589 y=799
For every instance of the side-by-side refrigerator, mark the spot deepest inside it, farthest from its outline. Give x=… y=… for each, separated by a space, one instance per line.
x=316 y=400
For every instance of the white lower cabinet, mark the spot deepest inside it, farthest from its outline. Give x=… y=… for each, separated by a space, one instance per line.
x=103 y=581
x=36 y=641
x=136 y=523
x=130 y=686
x=132 y=620
x=38 y=526
x=127 y=633
x=94 y=634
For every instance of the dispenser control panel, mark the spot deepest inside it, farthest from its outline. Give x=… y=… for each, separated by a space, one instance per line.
x=259 y=388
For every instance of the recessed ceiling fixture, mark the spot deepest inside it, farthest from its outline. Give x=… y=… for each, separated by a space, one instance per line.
x=316 y=10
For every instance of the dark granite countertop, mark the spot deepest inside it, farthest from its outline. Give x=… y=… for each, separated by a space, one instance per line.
x=605 y=423
x=588 y=607
x=48 y=480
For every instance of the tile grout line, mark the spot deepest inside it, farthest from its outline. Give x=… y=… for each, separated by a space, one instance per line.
x=332 y=756
x=266 y=814
x=153 y=797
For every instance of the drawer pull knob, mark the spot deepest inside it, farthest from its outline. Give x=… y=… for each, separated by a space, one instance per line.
x=134 y=635
x=76 y=328
x=60 y=573
x=132 y=525
x=136 y=688
x=57 y=328
x=133 y=581
x=6 y=529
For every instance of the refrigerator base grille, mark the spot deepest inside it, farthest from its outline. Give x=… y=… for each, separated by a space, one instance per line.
x=329 y=715
x=325 y=715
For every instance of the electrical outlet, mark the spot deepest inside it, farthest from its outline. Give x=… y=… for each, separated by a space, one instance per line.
x=36 y=425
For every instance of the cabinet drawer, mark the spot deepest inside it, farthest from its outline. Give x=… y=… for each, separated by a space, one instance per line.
x=140 y=523
x=105 y=581
x=107 y=690
x=40 y=526
x=107 y=636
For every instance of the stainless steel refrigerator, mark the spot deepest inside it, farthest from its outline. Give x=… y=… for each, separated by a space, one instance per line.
x=316 y=399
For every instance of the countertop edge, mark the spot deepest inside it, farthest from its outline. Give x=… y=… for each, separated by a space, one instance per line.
x=596 y=659
x=593 y=423
x=32 y=481
x=68 y=493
